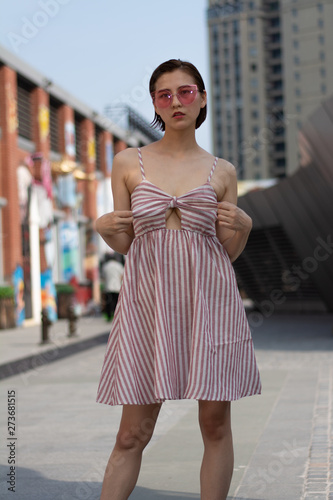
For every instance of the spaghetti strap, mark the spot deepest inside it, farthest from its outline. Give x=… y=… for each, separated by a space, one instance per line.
x=213 y=168
x=141 y=164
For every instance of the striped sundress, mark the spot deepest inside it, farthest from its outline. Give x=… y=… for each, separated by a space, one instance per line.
x=179 y=329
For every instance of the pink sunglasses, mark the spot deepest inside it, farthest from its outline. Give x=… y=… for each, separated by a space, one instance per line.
x=185 y=95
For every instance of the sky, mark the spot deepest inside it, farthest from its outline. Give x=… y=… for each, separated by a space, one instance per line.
x=104 y=51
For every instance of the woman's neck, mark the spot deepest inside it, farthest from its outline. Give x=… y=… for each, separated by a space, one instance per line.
x=179 y=142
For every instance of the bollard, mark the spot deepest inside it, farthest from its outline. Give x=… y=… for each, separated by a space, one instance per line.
x=46 y=322
x=72 y=319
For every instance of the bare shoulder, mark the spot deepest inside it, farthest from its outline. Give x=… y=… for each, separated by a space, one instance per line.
x=226 y=168
x=125 y=158
x=224 y=178
x=124 y=163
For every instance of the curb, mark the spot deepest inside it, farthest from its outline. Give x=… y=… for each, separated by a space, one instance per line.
x=55 y=353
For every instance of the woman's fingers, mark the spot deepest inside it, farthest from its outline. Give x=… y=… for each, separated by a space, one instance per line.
x=233 y=217
x=114 y=222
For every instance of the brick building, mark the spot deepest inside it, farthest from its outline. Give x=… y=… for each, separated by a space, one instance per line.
x=55 y=167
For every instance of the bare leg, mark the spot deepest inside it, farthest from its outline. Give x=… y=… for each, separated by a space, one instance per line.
x=136 y=428
x=218 y=459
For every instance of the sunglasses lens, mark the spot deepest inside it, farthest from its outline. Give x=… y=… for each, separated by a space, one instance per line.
x=163 y=99
x=187 y=95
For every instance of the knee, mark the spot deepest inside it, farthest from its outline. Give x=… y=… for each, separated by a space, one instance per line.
x=215 y=425
x=134 y=439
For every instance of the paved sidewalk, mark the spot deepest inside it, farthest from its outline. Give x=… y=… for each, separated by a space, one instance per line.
x=283 y=439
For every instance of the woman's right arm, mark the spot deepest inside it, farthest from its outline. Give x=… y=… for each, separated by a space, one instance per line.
x=116 y=227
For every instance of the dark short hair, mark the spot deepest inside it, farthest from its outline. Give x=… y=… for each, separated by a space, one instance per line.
x=168 y=67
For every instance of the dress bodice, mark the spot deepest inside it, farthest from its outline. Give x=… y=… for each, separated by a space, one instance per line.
x=198 y=208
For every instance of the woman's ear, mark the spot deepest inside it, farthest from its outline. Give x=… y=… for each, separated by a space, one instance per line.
x=203 y=99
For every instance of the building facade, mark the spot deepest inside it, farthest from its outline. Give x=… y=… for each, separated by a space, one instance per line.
x=55 y=167
x=271 y=64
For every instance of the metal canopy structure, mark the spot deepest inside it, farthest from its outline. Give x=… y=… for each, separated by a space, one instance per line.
x=288 y=260
x=126 y=117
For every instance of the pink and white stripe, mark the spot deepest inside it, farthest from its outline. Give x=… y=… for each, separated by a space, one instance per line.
x=180 y=329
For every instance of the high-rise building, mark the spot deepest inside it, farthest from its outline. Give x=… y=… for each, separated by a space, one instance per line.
x=271 y=64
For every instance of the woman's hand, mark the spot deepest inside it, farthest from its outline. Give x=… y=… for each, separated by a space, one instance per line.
x=113 y=223
x=232 y=217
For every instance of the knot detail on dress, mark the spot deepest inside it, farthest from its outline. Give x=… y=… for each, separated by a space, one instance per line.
x=173 y=202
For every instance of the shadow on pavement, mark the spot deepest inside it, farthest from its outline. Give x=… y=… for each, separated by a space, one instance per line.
x=292 y=332
x=32 y=485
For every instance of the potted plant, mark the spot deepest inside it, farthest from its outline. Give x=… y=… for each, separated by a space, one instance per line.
x=65 y=297
x=7 y=307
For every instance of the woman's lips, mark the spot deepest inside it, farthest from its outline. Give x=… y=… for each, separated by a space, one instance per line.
x=178 y=115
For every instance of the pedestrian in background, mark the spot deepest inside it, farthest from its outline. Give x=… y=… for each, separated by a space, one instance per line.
x=112 y=274
x=180 y=329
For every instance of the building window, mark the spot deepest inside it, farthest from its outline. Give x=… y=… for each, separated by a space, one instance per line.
x=254 y=114
x=298 y=108
x=253 y=52
x=320 y=7
x=281 y=162
x=296 y=60
x=280 y=146
x=54 y=125
x=253 y=67
x=295 y=44
x=255 y=130
x=238 y=88
x=251 y=5
x=321 y=39
x=254 y=98
x=323 y=88
x=225 y=37
x=323 y=72
x=24 y=89
x=322 y=55
x=251 y=21
x=295 y=28
x=297 y=92
x=252 y=36
x=294 y=12
x=254 y=83
x=320 y=23
x=227 y=69
x=297 y=76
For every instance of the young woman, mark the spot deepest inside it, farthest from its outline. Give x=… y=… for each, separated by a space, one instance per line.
x=180 y=329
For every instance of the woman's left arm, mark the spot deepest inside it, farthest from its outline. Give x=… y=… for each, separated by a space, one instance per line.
x=233 y=225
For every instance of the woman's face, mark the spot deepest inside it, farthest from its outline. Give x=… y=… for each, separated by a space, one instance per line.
x=179 y=114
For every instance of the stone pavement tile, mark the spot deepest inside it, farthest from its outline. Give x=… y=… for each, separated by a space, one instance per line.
x=277 y=466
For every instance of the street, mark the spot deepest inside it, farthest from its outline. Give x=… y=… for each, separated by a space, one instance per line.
x=283 y=438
